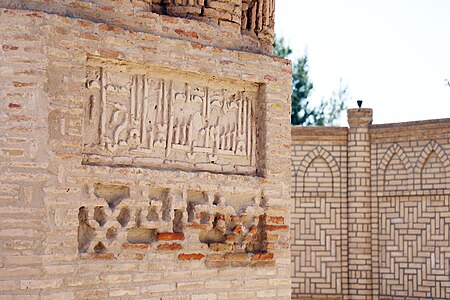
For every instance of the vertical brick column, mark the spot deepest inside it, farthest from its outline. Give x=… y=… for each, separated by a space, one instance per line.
x=359 y=212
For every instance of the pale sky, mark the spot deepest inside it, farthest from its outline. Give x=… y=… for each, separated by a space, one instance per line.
x=393 y=54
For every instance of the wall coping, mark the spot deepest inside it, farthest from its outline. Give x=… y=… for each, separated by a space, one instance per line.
x=305 y=133
x=411 y=123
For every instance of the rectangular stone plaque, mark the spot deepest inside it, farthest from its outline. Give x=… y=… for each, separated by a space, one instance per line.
x=154 y=117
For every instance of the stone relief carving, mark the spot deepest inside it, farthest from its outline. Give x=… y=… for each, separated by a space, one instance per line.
x=151 y=120
x=115 y=221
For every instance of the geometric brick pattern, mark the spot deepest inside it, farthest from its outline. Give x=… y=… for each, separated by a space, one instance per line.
x=414 y=246
x=371 y=210
x=316 y=224
x=316 y=246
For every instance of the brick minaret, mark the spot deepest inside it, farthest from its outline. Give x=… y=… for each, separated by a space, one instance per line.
x=359 y=213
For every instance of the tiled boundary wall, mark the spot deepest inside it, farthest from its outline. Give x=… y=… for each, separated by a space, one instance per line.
x=141 y=157
x=371 y=210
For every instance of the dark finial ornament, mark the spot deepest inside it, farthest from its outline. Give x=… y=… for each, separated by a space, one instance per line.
x=359 y=103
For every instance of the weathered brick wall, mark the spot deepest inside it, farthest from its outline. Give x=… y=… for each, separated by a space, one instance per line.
x=371 y=206
x=140 y=165
x=244 y=24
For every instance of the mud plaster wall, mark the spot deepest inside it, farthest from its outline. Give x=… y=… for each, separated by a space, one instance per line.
x=108 y=191
x=371 y=212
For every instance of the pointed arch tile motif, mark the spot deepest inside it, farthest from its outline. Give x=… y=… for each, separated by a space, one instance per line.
x=399 y=179
x=301 y=172
x=432 y=158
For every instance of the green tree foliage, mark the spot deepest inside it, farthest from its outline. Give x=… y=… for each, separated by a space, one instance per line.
x=303 y=113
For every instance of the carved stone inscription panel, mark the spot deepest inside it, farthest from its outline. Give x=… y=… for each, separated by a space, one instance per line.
x=159 y=118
